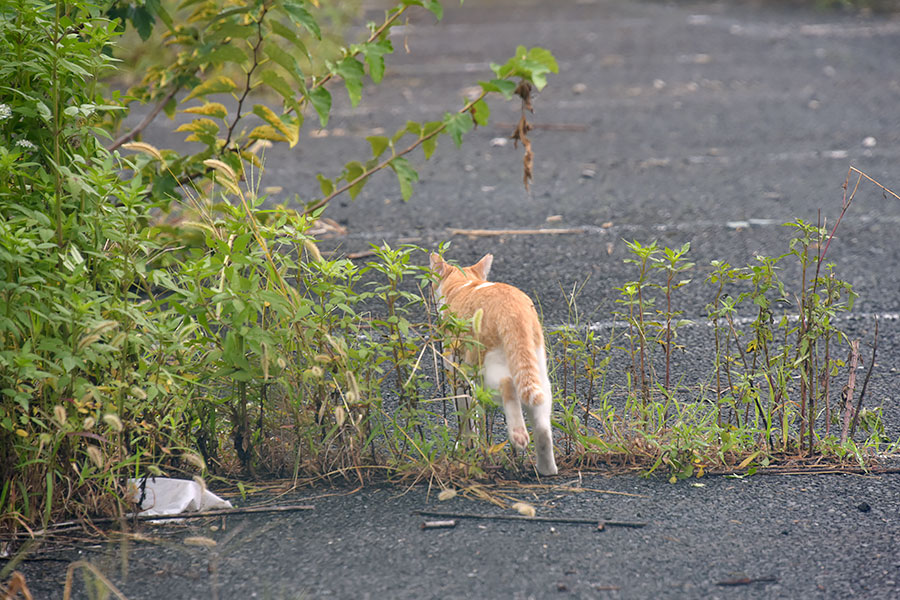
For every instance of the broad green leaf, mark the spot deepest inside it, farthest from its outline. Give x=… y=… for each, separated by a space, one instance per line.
x=503 y=86
x=326 y=184
x=351 y=71
x=143 y=21
x=458 y=124
x=210 y=109
x=545 y=57
x=374 y=53
x=202 y=130
x=287 y=33
x=321 y=101
x=379 y=143
x=155 y=6
x=433 y=5
x=290 y=130
x=43 y=111
x=231 y=30
x=411 y=127
x=227 y=53
x=286 y=61
x=216 y=85
x=536 y=72
x=301 y=16
x=430 y=144
x=267 y=132
x=481 y=112
x=352 y=171
x=406 y=175
x=284 y=89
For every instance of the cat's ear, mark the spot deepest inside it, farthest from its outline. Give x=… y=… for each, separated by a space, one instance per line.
x=482 y=268
x=437 y=264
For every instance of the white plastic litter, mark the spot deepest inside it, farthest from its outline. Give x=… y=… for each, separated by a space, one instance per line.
x=166 y=496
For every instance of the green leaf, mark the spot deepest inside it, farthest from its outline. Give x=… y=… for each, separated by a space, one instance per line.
x=267 y=132
x=429 y=145
x=287 y=33
x=231 y=30
x=143 y=21
x=374 y=53
x=326 y=184
x=210 y=109
x=406 y=175
x=216 y=85
x=503 y=86
x=433 y=5
x=352 y=170
x=43 y=111
x=481 y=112
x=289 y=129
x=202 y=130
x=227 y=53
x=156 y=8
x=379 y=143
x=286 y=61
x=544 y=57
x=411 y=127
x=457 y=125
x=321 y=101
x=284 y=89
x=351 y=71
x=302 y=17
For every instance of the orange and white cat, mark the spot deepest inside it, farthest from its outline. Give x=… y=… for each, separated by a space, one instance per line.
x=512 y=359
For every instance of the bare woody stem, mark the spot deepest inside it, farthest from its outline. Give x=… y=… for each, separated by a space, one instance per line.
x=248 y=88
x=127 y=137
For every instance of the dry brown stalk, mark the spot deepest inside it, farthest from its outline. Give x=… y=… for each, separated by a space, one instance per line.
x=851 y=384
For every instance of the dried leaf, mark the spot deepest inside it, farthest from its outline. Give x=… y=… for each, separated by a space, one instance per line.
x=524 y=509
x=145 y=148
x=447 y=494
x=199 y=540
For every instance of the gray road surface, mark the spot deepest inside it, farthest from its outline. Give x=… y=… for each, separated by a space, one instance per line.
x=704 y=122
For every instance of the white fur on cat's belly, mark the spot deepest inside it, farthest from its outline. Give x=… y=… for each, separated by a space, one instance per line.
x=495 y=369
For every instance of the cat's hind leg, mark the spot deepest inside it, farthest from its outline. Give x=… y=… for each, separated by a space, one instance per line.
x=515 y=424
x=539 y=415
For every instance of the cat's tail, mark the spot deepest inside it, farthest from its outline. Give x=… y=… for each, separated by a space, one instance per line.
x=523 y=356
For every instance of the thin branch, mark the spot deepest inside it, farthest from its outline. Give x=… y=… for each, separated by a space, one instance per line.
x=249 y=87
x=320 y=203
x=185 y=515
x=125 y=138
x=851 y=384
x=886 y=189
x=862 y=392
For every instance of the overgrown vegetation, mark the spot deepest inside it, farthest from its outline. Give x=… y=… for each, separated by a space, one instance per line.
x=229 y=344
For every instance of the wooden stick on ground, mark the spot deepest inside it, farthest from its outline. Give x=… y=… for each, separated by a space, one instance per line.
x=56 y=527
x=599 y=522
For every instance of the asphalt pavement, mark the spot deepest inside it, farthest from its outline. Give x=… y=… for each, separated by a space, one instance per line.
x=707 y=122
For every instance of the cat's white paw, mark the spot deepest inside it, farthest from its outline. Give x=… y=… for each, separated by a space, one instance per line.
x=519 y=438
x=546 y=466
